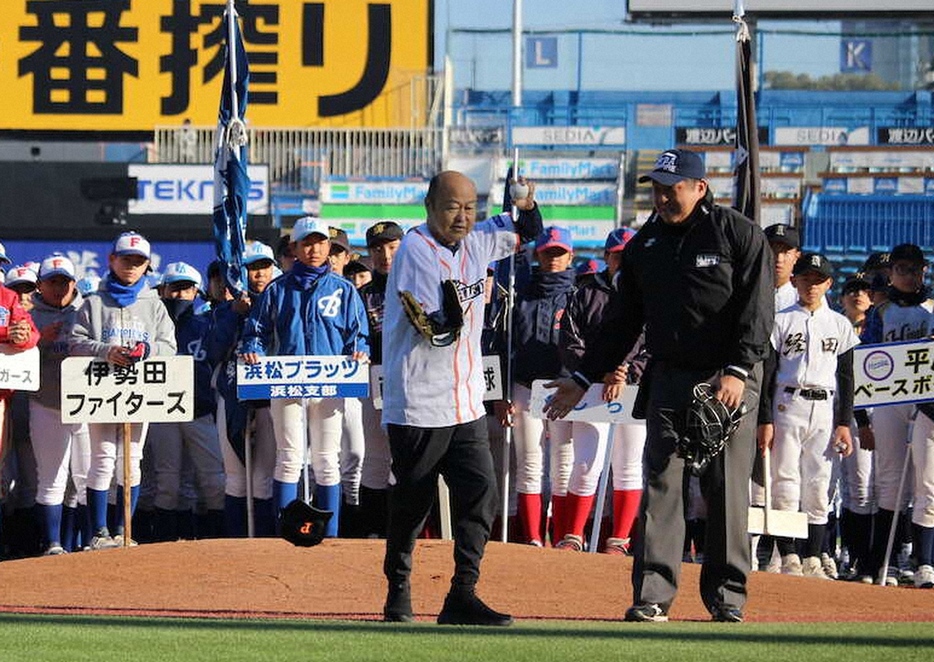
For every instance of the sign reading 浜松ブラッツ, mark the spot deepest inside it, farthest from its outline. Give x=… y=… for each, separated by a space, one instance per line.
x=894 y=373
x=591 y=408
x=157 y=390
x=302 y=377
x=19 y=370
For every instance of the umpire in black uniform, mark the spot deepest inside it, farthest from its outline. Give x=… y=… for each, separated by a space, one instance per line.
x=699 y=277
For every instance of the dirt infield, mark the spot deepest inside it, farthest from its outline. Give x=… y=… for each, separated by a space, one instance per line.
x=270 y=578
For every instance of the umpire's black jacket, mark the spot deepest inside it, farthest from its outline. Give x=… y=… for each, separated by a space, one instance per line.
x=704 y=289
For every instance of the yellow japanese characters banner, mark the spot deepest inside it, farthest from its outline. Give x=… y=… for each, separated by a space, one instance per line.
x=894 y=373
x=132 y=65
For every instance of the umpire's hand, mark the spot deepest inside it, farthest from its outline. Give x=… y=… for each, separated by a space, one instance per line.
x=730 y=391
x=564 y=399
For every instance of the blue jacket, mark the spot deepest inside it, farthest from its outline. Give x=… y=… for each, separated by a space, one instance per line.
x=326 y=319
x=537 y=324
x=192 y=333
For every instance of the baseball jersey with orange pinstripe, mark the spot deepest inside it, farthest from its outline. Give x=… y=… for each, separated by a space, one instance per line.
x=423 y=385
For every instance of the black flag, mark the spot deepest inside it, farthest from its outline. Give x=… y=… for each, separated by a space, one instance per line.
x=746 y=183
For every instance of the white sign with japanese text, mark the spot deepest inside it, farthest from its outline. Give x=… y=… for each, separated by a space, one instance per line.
x=893 y=373
x=302 y=377
x=492 y=378
x=19 y=369
x=157 y=390
x=591 y=408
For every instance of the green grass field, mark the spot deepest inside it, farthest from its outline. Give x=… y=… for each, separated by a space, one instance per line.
x=76 y=638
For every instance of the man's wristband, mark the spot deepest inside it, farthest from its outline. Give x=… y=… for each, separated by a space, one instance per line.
x=736 y=371
x=580 y=380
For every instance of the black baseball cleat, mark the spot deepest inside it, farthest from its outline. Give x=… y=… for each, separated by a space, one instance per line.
x=647 y=612
x=398 y=607
x=465 y=608
x=726 y=614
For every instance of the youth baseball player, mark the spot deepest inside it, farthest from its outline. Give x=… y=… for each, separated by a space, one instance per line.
x=811 y=392
x=309 y=311
x=905 y=315
x=58 y=447
x=241 y=422
x=540 y=306
x=383 y=240
x=123 y=322
x=197 y=438
x=587 y=309
x=785 y=243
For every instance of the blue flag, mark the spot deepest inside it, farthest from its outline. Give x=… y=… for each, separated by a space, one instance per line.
x=231 y=182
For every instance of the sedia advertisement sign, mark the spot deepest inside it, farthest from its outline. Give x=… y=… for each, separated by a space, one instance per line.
x=127 y=66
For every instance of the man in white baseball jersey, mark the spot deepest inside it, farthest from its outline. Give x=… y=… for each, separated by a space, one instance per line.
x=433 y=387
x=811 y=393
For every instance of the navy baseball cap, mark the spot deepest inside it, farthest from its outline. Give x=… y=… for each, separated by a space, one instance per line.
x=907 y=253
x=591 y=266
x=617 y=239
x=856 y=284
x=675 y=165
x=383 y=231
x=783 y=234
x=875 y=261
x=813 y=262
x=554 y=236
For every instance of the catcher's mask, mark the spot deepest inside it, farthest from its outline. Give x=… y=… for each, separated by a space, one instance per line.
x=304 y=525
x=708 y=426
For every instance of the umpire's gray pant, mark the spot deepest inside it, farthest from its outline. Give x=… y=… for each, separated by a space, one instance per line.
x=725 y=486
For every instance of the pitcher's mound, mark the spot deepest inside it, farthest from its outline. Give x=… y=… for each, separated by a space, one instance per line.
x=269 y=578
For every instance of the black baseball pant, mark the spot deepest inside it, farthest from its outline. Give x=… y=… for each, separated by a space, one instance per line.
x=460 y=453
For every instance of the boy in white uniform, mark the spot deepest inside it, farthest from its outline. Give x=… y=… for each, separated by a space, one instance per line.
x=812 y=363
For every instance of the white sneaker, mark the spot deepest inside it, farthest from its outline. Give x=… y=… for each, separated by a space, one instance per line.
x=55 y=550
x=829 y=566
x=811 y=567
x=118 y=541
x=791 y=565
x=891 y=577
x=924 y=577
x=102 y=541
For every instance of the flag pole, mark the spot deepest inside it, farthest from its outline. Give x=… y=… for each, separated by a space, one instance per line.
x=747 y=181
x=507 y=320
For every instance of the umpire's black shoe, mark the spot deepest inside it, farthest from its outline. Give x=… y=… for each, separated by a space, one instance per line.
x=463 y=607
x=726 y=614
x=646 y=612
x=398 y=608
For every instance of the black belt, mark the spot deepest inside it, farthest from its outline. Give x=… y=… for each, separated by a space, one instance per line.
x=809 y=393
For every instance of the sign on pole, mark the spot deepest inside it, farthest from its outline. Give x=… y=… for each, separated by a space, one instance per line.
x=302 y=377
x=19 y=370
x=492 y=380
x=158 y=390
x=591 y=408
x=893 y=373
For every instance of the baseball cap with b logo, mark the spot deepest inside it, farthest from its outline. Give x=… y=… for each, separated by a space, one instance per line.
x=181 y=272
x=131 y=243
x=675 y=165
x=56 y=265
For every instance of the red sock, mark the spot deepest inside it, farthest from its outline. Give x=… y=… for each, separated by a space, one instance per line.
x=576 y=511
x=529 y=514
x=558 y=515
x=625 y=511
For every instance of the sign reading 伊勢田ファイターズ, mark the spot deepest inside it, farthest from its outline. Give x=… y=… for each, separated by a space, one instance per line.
x=122 y=66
